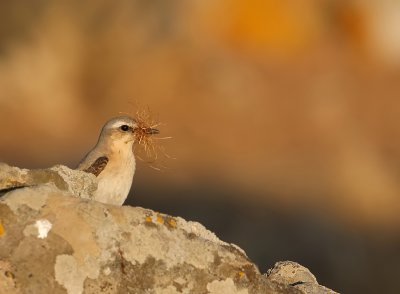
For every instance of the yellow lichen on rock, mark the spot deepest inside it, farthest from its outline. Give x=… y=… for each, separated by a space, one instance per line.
x=160 y=219
x=2 y=230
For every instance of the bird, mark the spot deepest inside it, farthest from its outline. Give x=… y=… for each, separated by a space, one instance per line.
x=112 y=160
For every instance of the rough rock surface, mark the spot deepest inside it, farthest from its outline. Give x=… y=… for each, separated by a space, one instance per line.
x=52 y=241
x=78 y=183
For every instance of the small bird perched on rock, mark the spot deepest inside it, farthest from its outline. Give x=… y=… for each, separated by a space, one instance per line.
x=112 y=160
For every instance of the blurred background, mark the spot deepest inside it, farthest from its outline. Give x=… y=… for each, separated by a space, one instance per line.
x=285 y=117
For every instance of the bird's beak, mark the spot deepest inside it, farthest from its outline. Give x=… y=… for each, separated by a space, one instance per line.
x=151 y=131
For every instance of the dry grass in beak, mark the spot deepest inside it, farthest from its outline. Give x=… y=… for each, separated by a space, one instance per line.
x=147 y=128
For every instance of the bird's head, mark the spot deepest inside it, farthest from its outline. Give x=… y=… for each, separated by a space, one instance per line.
x=125 y=129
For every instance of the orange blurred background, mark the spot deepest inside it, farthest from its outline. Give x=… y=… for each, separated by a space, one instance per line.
x=284 y=116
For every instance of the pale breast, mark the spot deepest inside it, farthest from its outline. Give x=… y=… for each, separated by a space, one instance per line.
x=115 y=181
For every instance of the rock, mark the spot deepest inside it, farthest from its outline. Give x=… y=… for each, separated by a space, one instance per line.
x=293 y=274
x=52 y=241
x=78 y=183
x=289 y=272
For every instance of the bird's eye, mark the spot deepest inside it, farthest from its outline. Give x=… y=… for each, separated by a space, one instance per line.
x=124 y=128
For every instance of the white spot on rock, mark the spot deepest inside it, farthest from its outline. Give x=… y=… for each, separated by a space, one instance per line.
x=107 y=271
x=44 y=227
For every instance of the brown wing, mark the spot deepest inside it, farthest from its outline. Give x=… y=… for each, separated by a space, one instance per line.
x=98 y=166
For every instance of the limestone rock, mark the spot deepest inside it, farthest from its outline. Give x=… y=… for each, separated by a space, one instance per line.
x=293 y=274
x=54 y=242
x=78 y=183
